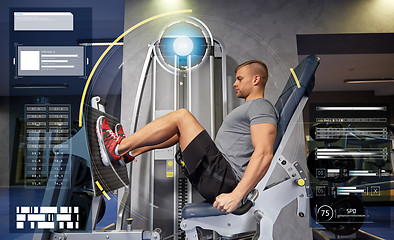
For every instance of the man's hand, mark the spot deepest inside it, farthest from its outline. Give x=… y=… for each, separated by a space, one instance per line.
x=227 y=202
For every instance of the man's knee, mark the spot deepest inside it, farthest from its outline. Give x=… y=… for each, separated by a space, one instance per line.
x=183 y=113
x=184 y=116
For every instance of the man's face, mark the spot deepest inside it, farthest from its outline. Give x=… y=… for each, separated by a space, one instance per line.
x=243 y=82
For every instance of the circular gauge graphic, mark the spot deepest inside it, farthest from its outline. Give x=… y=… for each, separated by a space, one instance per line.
x=324 y=213
x=183 y=44
x=342 y=215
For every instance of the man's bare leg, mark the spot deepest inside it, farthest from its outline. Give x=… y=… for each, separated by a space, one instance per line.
x=181 y=123
x=170 y=142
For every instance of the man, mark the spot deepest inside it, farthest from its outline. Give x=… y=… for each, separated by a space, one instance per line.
x=223 y=172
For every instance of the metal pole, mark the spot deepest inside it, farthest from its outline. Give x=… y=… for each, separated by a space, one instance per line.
x=175 y=179
x=140 y=89
x=212 y=93
x=189 y=83
x=189 y=102
x=176 y=83
x=152 y=167
x=224 y=82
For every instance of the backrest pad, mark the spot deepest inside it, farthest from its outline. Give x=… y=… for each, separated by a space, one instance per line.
x=292 y=95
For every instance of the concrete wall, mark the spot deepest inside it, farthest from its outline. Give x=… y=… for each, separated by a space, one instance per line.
x=253 y=29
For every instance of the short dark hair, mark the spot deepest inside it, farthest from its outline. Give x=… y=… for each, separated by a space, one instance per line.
x=261 y=63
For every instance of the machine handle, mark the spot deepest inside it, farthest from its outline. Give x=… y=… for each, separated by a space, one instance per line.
x=244 y=208
x=248 y=204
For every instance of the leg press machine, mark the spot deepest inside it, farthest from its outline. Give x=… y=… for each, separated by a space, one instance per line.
x=256 y=216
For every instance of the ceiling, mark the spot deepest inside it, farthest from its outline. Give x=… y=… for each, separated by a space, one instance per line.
x=335 y=68
x=351 y=56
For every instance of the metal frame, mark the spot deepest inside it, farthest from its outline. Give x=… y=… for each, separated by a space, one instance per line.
x=105 y=235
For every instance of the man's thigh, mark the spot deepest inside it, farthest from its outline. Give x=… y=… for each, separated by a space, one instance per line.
x=188 y=127
x=207 y=169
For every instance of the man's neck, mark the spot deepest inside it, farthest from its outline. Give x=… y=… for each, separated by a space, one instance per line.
x=254 y=96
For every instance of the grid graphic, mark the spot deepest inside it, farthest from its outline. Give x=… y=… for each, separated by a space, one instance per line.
x=47 y=217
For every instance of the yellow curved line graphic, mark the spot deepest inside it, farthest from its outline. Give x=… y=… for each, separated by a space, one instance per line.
x=109 y=48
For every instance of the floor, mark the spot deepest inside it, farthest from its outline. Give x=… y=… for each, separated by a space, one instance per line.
x=382 y=216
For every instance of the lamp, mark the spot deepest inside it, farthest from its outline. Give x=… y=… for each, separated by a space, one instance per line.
x=369 y=80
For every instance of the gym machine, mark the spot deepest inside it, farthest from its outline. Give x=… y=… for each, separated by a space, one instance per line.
x=255 y=218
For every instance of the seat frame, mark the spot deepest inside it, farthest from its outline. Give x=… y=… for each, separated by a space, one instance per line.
x=269 y=203
x=272 y=199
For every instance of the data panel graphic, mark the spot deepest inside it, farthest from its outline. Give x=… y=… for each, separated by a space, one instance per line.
x=47 y=126
x=43 y=21
x=51 y=61
x=349 y=163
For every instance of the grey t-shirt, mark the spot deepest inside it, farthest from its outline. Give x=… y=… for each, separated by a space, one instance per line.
x=234 y=139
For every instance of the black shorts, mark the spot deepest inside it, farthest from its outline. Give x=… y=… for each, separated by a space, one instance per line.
x=207 y=169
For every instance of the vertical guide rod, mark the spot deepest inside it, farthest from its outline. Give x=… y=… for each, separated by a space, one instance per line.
x=140 y=88
x=176 y=83
x=212 y=94
x=152 y=167
x=189 y=102
x=224 y=83
x=138 y=99
x=189 y=83
x=175 y=177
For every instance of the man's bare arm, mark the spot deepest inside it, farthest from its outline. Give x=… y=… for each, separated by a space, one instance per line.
x=263 y=138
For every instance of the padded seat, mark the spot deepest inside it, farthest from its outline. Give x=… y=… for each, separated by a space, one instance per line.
x=194 y=210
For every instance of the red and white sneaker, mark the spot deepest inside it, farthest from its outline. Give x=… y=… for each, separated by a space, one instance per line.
x=127 y=157
x=108 y=141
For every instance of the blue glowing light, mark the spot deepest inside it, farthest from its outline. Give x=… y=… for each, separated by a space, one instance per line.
x=183 y=46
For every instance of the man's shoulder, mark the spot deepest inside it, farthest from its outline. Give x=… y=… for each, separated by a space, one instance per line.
x=264 y=110
x=261 y=101
x=255 y=106
x=262 y=104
